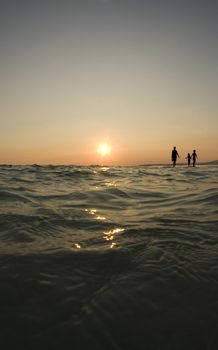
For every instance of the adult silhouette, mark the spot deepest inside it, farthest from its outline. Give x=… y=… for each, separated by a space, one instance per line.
x=175 y=154
x=194 y=157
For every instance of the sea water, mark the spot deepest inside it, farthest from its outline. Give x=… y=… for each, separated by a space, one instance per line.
x=109 y=257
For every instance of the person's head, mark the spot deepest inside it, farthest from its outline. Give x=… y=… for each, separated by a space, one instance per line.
x=194 y=151
x=174 y=147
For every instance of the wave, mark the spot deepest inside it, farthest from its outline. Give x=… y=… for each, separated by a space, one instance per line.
x=113 y=257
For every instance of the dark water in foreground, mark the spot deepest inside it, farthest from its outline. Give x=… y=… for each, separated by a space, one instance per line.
x=109 y=258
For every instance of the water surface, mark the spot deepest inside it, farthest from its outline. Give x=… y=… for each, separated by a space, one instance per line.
x=109 y=257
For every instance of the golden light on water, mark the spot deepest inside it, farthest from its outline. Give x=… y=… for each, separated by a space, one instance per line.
x=113 y=245
x=78 y=246
x=109 y=235
x=91 y=211
x=99 y=217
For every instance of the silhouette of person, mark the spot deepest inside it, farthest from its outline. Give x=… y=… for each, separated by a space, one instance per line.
x=175 y=154
x=194 y=157
x=189 y=158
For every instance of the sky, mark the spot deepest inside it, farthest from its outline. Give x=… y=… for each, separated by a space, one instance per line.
x=138 y=75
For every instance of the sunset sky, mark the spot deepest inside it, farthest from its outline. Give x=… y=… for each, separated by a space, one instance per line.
x=138 y=75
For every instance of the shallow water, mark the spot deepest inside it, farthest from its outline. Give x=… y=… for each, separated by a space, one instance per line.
x=109 y=258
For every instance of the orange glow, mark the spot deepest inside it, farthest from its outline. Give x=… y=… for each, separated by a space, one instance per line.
x=104 y=149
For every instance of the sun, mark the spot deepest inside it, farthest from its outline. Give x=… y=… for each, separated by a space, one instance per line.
x=104 y=149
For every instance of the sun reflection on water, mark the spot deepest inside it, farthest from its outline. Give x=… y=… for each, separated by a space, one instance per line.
x=109 y=235
x=78 y=246
x=93 y=212
x=105 y=168
x=100 y=217
x=113 y=245
x=111 y=184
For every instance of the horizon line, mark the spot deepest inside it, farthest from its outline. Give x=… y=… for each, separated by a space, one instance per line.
x=212 y=162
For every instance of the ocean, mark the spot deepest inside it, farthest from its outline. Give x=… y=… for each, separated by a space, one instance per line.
x=109 y=257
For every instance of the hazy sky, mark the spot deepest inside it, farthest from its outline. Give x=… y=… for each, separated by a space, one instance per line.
x=141 y=75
